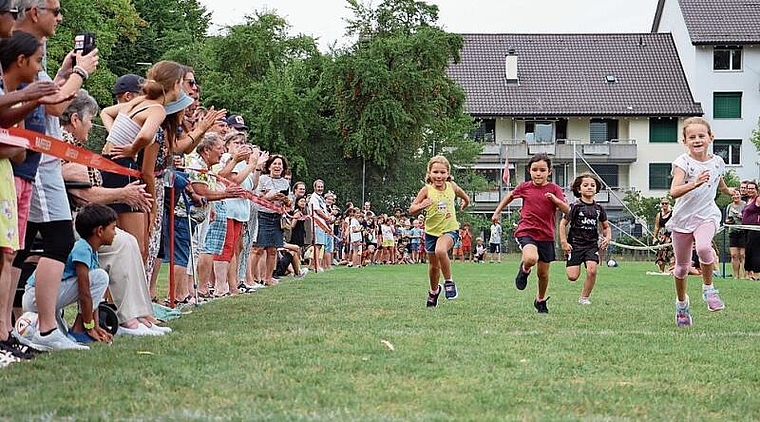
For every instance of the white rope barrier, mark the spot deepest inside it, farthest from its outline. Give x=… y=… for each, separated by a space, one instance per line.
x=654 y=248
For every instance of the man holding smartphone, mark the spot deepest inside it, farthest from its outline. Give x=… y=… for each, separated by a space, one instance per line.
x=40 y=189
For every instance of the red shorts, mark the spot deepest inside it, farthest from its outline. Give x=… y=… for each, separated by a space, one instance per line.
x=234 y=229
x=24 y=200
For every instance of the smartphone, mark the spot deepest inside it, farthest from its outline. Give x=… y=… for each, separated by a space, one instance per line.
x=84 y=42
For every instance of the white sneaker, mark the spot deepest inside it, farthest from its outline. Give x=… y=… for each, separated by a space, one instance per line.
x=584 y=301
x=54 y=341
x=304 y=271
x=141 y=330
x=158 y=329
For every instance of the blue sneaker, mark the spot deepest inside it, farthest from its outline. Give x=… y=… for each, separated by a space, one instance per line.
x=450 y=290
x=82 y=338
x=432 y=300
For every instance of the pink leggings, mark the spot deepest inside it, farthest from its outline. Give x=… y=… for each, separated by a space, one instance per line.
x=682 y=243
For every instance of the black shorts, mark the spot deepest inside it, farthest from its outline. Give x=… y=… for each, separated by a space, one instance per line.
x=114 y=180
x=581 y=255
x=494 y=247
x=737 y=239
x=57 y=241
x=545 y=248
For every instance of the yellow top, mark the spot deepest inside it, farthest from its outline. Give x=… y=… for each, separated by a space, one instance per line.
x=441 y=214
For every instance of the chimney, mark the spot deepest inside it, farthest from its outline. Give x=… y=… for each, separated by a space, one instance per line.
x=511 y=66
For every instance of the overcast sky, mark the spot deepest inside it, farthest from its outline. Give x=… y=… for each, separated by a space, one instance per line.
x=324 y=19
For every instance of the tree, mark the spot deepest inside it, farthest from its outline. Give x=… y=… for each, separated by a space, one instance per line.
x=755 y=138
x=270 y=78
x=395 y=106
x=109 y=20
x=168 y=25
x=642 y=208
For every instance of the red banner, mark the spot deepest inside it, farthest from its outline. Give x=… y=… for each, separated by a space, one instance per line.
x=65 y=151
x=271 y=206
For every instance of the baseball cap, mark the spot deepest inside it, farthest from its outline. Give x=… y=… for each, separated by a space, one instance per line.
x=127 y=83
x=236 y=121
x=182 y=102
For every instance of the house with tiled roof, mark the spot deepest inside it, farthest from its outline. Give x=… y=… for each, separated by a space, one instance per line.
x=718 y=42
x=614 y=103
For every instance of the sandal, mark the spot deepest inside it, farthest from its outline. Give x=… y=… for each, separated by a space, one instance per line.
x=177 y=302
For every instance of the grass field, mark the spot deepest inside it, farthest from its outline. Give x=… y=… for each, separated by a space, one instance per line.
x=312 y=349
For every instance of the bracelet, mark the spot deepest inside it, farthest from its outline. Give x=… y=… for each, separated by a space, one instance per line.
x=79 y=70
x=89 y=325
x=190 y=136
x=81 y=75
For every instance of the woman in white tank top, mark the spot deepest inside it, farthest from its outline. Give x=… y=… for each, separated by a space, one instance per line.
x=132 y=127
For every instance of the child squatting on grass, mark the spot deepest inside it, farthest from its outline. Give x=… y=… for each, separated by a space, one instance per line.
x=83 y=281
x=581 y=244
x=697 y=175
x=535 y=232
x=437 y=198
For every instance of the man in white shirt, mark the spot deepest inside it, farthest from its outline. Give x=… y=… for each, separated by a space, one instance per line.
x=318 y=210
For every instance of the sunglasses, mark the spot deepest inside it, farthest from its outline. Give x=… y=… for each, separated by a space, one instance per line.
x=192 y=82
x=13 y=13
x=665 y=203
x=55 y=11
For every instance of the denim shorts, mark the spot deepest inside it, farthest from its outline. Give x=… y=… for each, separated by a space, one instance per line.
x=182 y=230
x=431 y=240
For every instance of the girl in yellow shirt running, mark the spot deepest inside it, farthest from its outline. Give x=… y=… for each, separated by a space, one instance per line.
x=441 y=226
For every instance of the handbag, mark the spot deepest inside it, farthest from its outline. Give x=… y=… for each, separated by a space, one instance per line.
x=285 y=222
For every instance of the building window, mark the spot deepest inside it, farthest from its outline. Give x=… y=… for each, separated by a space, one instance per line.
x=659 y=176
x=729 y=150
x=603 y=130
x=539 y=132
x=485 y=132
x=727 y=105
x=608 y=173
x=727 y=58
x=663 y=130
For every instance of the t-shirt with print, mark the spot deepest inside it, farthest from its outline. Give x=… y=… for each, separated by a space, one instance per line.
x=268 y=183
x=698 y=205
x=81 y=252
x=495 y=237
x=194 y=162
x=537 y=215
x=584 y=222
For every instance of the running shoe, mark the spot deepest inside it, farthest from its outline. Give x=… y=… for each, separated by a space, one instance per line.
x=521 y=280
x=712 y=298
x=450 y=290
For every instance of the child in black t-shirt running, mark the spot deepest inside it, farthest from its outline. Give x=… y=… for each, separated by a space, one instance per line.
x=581 y=244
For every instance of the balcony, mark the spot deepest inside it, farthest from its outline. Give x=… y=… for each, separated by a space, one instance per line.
x=487 y=201
x=616 y=151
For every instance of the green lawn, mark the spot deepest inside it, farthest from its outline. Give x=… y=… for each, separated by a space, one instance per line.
x=312 y=349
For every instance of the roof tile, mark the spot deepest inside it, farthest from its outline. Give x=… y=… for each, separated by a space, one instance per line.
x=564 y=75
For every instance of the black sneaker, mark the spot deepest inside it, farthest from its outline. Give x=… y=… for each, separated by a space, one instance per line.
x=17 y=349
x=541 y=306
x=432 y=300
x=449 y=290
x=521 y=280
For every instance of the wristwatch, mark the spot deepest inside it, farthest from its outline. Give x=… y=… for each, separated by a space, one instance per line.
x=89 y=325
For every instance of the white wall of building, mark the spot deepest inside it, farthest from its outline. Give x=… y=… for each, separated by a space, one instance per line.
x=704 y=81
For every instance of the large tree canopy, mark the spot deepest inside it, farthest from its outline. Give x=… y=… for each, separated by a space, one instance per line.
x=391 y=88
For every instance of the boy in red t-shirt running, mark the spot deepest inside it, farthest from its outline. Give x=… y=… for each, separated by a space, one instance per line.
x=535 y=231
